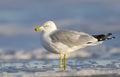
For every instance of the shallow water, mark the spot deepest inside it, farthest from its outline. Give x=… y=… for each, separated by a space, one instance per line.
x=75 y=67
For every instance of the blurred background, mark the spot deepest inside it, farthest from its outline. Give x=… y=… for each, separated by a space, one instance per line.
x=18 y=18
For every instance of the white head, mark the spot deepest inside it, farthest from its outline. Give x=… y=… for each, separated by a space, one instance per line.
x=48 y=26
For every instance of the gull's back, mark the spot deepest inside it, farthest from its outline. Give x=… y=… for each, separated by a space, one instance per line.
x=72 y=38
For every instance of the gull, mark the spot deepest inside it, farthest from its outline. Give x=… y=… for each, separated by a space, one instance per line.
x=66 y=41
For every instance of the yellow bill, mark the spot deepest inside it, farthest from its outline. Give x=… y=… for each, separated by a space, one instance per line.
x=38 y=29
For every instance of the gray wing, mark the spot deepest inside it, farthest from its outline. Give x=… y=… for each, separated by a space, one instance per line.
x=70 y=38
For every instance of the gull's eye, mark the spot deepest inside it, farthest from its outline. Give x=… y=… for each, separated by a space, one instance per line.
x=46 y=26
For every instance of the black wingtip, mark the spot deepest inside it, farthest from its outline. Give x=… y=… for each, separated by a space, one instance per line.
x=109 y=34
x=102 y=37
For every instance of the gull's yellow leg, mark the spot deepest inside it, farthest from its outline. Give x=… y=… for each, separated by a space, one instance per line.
x=64 y=61
x=61 y=62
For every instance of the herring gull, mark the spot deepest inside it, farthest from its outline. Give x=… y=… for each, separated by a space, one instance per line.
x=65 y=41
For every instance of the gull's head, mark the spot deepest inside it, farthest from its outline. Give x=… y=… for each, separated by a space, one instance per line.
x=48 y=26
